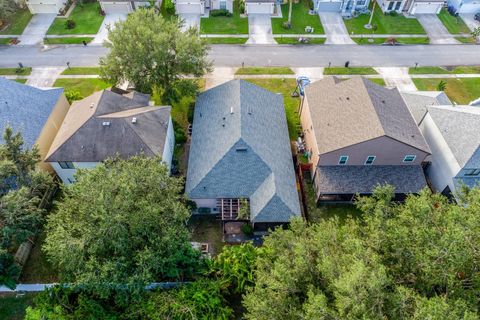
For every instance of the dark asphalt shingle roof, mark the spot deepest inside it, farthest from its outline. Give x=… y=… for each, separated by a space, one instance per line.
x=240 y=148
x=85 y=136
x=363 y=179
x=26 y=109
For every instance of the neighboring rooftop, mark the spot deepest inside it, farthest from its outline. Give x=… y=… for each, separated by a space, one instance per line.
x=460 y=127
x=240 y=148
x=348 y=112
x=26 y=109
x=108 y=124
x=418 y=101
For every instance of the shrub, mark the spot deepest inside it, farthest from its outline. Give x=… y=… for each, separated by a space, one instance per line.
x=247 y=229
x=311 y=5
x=393 y=13
x=286 y=25
x=242 y=7
x=70 y=24
x=72 y=95
x=169 y=7
x=220 y=13
x=180 y=136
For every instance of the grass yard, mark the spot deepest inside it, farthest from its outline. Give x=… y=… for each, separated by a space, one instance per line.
x=264 y=70
x=285 y=87
x=81 y=71
x=290 y=40
x=353 y=71
x=300 y=19
x=454 y=25
x=87 y=18
x=38 y=269
x=73 y=40
x=13 y=71
x=378 y=81
x=225 y=25
x=5 y=40
x=13 y=306
x=20 y=80
x=226 y=40
x=461 y=91
x=467 y=40
x=17 y=22
x=386 y=24
x=445 y=70
x=207 y=229
x=365 y=41
x=84 y=86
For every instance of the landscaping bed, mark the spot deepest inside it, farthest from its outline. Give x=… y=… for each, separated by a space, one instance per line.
x=15 y=71
x=352 y=71
x=461 y=91
x=294 y=40
x=73 y=40
x=300 y=19
x=264 y=70
x=386 y=24
x=84 y=86
x=87 y=19
x=17 y=23
x=225 y=25
x=380 y=41
x=445 y=70
x=454 y=25
x=225 y=40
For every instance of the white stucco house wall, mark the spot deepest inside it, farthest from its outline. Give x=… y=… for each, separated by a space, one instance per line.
x=124 y=6
x=199 y=6
x=411 y=6
x=465 y=6
x=109 y=124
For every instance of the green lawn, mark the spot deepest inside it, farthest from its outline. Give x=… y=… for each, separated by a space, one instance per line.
x=342 y=70
x=461 y=91
x=226 y=40
x=17 y=22
x=454 y=25
x=386 y=24
x=13 y=71
x=378 y=81
x=445 y=70
x=81 y=71
x=86 y=16
x=290 y=40
x=225 y=25
x=207 y=229
x=471 y=40
x=300 y=19
x=38 y=269
x=73 y=40
x=5 y=40
x=13 y=306
x=264 y=70
x=84 y=86
x=21 y=80
x=285 y=87
x=378 y=41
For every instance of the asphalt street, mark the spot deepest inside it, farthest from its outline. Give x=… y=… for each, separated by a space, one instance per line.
x=266 y=55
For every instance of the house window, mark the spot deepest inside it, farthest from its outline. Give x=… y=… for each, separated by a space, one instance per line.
x=409 y=158
x=361 y=3
x=370 y=160
x=472 y=172
x=223 y=5
x=390 y=6
x=343 y=160
x=398 y=4
x=66 y=165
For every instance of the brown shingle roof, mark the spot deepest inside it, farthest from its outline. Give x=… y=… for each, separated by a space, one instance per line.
x=349 y=112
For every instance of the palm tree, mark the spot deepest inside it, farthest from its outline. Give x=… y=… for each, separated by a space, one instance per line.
x=290 y=6
x=369 y=24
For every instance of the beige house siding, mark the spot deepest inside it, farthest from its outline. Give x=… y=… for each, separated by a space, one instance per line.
x=309 y=134
x=386 y=150
x=50 y=130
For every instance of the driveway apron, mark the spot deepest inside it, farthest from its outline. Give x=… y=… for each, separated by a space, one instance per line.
x=435 y=29
x=44 y=77
x=397 y=78
x=37 y=28
x=260 y=29
x=335 y=28
x=109 y=20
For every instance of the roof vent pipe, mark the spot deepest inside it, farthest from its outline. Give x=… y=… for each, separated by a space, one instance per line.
x=134 y=120
x=106 y=123
x=231 y=110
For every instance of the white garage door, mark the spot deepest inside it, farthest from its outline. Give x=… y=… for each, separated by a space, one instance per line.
x=428 y=7
x=253 y=8
x=189 y=8
x=43 y=8
x=116 y=7
x=324 y=6
x=473 y=7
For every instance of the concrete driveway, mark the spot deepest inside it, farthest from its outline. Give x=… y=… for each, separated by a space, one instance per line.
x=260 y=29
x=37 y=28
x=109 y=20
x=470 y=21
x=191 y=20
x=335 y=28
x=435 y=29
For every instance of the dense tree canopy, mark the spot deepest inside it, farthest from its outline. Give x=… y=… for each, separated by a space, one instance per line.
x=155 y=56
x=418 y=260
x=122 y=223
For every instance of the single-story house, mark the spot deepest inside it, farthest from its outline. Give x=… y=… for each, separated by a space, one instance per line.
x=109 y=124
x=411 y=6
x=465 y=6
x=359 y=135
x=124 y=6
x=36 y=113
x=45 y=6
x=199 y=6
x=240 y=155
x=345 y=7
x=260 y=7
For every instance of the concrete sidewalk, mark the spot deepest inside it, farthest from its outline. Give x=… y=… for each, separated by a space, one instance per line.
x=44 y=77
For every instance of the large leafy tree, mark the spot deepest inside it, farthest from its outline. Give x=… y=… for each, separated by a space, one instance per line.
x=154 y=54
x=121 y=223
x=417 y=260
x=7 y=9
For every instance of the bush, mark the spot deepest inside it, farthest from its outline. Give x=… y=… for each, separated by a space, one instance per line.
x=311 y=5
x=70 y=24
x=247 y=229
x=286 y=25
x=393 y=13
x=169 y=7
x=72 y=95
x=180 y=136
x=242 y=7
x=221 y=13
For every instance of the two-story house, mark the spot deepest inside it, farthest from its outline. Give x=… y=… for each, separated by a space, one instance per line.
x=359 y=135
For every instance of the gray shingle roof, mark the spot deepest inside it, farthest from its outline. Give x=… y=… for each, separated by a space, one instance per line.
x=418 y=102
x=25 y=108
x=362 y=179
x=85 y=136
x=240 y=148
x=460 y=127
